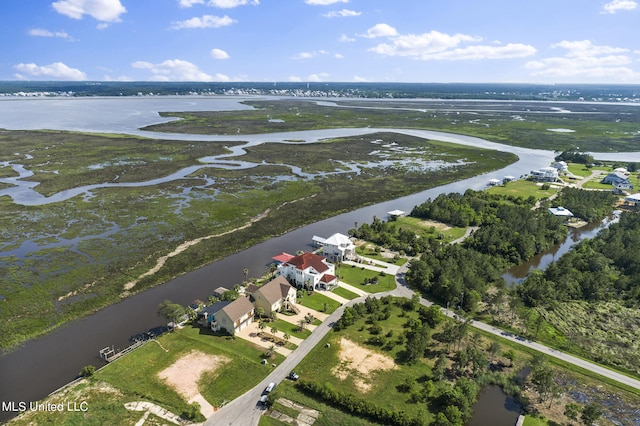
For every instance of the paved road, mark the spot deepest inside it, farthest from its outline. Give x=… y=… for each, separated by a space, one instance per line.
x=246 y=411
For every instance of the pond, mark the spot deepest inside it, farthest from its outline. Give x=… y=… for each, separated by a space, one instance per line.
x=495 y=408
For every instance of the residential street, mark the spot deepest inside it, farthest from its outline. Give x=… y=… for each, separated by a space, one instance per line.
x=245 y=410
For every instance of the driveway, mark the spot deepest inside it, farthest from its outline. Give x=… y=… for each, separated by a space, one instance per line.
x=251 y=331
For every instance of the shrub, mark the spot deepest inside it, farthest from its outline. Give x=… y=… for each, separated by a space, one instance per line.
x=87 y=371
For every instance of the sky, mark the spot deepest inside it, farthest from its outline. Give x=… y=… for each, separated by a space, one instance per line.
x=426 y=41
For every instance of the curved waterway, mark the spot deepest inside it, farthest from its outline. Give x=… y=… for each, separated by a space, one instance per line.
x=42 y=365
x=542 y=260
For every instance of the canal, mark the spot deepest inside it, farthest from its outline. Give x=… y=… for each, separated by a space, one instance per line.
x=42 y=365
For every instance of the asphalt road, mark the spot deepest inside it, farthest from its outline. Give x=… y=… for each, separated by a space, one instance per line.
x=245 y=410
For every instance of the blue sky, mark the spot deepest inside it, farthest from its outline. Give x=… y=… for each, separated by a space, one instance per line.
x=541 y=41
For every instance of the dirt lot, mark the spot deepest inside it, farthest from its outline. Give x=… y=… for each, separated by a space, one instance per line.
x=184 y=374
x=358 y=362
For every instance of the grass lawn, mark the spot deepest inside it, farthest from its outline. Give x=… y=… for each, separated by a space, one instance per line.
x=430 y=229
x=134 y=377
x=529 y=420
x=355 y=276
x=341 y=291
x=287 y=327
x=318 y=301
x=368 y=250
x=524 y=189
x=383 y=386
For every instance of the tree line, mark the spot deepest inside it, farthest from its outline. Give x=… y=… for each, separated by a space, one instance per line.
x=606 y=267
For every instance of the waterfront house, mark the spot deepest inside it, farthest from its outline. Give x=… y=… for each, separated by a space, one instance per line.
x=207 y=315
x=545 y=174
x=337 y=247
x=561 y=166
x=273 y=295
x=235 y=316
x=309 y=270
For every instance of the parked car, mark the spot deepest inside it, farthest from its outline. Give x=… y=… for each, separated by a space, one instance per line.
x=269 y=387
x=264 y=399
x=294 y=376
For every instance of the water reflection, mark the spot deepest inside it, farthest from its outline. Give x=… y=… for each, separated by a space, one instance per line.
x=519 y=273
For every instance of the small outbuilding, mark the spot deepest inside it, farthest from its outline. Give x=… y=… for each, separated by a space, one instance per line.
x=396 y=213
x=560 y=211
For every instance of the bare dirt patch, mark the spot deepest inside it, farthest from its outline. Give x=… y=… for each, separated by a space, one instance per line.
x=438 y=225
x=184 y=374
x=359 y=363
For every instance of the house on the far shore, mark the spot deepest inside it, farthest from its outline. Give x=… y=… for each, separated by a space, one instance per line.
x=309 y=270
x=273 y=295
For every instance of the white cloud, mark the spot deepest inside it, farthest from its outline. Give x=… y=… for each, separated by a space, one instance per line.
x=101 y=10
x=338 y=56
x=435 y=45
x=219 y=54
x=317 y=77
x=477 y=52
x=57 y=71
x=580 y=48
x=228 y=4
x=324 y=2
x=189 y=3
x=359 y=79
x=206 y=21
x=177 y=70
x=617 y=5
x=584 y=59
x=309 y=55
x=294 y=79
x=381 y=30
x=346 y=39
x=41 y=32
x=344 y=13
x=422 y=44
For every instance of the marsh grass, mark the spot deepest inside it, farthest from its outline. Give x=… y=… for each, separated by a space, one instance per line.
x=86 y=249
x=613 y=129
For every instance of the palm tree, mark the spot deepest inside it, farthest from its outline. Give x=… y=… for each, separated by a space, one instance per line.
x=286 y=337
x=262 y=325
x=274 y=330
x=302 y=324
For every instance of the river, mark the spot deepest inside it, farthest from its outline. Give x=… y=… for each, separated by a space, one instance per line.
x=42 y=365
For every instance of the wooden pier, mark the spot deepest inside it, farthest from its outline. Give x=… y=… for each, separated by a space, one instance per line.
x=109 y=354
